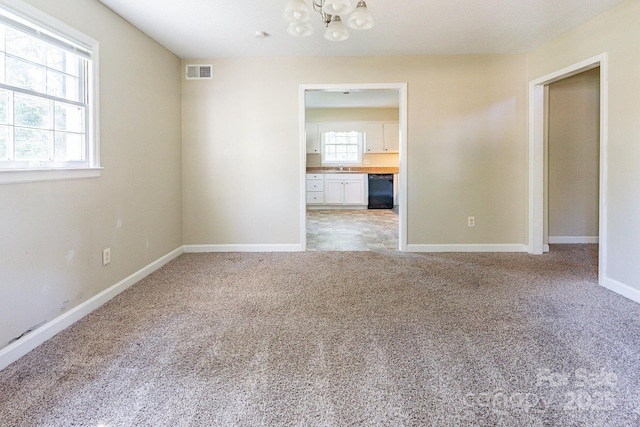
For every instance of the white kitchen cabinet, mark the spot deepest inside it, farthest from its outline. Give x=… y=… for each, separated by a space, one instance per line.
x=312 y=135
x=315 y=198
x=391 y=137
x=382 y=137
x=315 y=189
x=354 y=191
x=344 y=189
x=334 y=191
x=374 y=138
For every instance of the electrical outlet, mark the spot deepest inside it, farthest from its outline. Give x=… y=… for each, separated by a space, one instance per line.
x=471 y=221
x=366 y=161
x=106 y=256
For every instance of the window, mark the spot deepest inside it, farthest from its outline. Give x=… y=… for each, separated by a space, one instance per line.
x=47 y=95
x=341 y=147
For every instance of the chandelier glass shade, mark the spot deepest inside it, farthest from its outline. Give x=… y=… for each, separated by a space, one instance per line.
x=336 y=7
x=298 y=14
x=361 y=18
x=336 y=30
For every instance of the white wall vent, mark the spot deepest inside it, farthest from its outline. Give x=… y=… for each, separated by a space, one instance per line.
x=199 y=72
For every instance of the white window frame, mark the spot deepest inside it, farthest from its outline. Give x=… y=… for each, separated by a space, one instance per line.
x=359 y=149
x=341 y=126
x=35 y=171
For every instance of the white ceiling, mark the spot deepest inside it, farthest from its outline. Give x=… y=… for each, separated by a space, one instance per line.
x=377 y=98
x=225 y=28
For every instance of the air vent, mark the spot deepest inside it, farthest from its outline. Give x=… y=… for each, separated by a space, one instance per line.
x=199 y=72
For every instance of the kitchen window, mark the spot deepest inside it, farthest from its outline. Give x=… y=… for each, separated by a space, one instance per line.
x=48 y=118
x=343 y=147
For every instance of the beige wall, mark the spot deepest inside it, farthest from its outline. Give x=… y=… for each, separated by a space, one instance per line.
x=573 y=155
x=348 y=114
x=369 y=160
x=237 y=174
x=53 y=233
x=616 y=33
x=355 y=114
x=466 y=146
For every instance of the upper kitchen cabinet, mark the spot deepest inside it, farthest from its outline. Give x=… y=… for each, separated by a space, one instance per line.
x=382 y=137
x=391 y=137
x=312 y=136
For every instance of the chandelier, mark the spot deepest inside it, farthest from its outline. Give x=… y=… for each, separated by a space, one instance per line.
x=298 y=13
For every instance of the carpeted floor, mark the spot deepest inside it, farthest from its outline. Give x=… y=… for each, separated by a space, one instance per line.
x=335 y=339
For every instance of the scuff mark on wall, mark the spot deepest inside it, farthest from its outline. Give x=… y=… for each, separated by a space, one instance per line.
x=27 y=332
x=70 y=255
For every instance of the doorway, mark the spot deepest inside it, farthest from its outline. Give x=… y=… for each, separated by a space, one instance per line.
x=572 y=159
x=372 y=91
x=538 y=110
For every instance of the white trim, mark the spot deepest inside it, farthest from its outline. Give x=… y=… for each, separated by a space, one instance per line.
x=469 y=248
x=94 y=103
x=536 y=168
x=302 y=161
x=402 y=172
x=8 y=176
x=336 y=129
x=19 y=348
x=572 y=239
x=193 y=249
x=321 y=207
x=536 y=154
x=620 y=288
x=604 y=167
x=32 y=13
x=402 y=188
x=545 y=248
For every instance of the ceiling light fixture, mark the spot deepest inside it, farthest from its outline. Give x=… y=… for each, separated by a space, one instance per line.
x=298 y=13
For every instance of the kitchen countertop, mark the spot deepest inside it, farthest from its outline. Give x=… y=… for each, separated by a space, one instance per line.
x=351 y=169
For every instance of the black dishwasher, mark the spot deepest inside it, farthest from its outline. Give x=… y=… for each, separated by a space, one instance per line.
x=380 y=191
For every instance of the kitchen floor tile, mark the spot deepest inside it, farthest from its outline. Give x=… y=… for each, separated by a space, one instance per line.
x=352 y=230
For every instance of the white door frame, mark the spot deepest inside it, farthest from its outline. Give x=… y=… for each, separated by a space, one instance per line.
x=536 y=153
x=402 y=188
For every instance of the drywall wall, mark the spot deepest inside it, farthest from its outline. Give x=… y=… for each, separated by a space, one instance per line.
x=53 y=233
x=573 y=155
x=466 y=146
x=355 y=114
x=615 y=33
x=370 y=160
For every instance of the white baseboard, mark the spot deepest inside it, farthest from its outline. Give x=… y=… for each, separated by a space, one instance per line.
x=620 y=288
x=572 y=239
x=468 y=248
x=337 y=207
x=19 y=348
x=545 y=248
x=190 y=249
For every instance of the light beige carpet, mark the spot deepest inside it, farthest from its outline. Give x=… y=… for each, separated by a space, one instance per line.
x=334 y=339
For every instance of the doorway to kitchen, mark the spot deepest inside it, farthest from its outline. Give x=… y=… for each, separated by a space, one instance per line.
x=351 y=134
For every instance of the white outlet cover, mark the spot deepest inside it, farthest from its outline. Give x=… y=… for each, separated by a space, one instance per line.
x=106 y=256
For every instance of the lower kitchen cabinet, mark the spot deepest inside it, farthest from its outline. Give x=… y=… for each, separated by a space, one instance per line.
x=315 y=189
x=344 y=189
x=337 y=189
